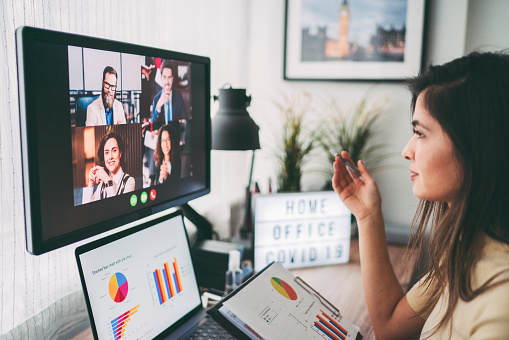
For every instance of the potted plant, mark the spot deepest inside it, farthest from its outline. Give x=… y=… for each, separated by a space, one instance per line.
x=298 y=140
x=354 y=132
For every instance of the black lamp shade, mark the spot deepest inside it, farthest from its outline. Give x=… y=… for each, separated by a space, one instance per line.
x=232 y=127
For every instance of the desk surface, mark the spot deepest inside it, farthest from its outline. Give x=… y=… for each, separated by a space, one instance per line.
x=342 y=286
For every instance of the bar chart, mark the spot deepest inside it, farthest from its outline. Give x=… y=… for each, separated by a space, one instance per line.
x=167 y=281
x=330 y=327
x=118 y=325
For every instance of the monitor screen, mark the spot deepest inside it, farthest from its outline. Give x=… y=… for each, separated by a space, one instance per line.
x=110 y=132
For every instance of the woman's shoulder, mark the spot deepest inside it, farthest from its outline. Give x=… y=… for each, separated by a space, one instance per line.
x=130 y=182
x=128 y=178
x=419 y=295
x=486 y=315
x=493 y=263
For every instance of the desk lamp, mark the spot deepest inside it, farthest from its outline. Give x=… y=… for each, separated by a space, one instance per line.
x=233 y=129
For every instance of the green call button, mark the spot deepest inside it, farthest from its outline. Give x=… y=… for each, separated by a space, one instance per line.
x=134 y=200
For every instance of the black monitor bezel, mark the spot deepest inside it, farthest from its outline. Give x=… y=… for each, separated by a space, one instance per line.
x=35 y=243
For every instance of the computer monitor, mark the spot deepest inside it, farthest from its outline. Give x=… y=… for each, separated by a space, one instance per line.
x=110 y=132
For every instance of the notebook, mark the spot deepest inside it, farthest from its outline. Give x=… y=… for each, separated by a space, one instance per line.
x=140 y=283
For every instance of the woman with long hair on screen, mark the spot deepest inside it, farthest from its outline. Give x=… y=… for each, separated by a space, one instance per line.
x=167 y=155
x=108 y=176
x=458 y=165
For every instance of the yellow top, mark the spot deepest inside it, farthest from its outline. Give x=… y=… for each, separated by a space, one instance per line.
x=487 y=315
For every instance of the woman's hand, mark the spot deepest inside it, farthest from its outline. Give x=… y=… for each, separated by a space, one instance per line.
x=163 y=172
x=102 y=175
x=360 y=195
x=92 y=179
x=97 y=174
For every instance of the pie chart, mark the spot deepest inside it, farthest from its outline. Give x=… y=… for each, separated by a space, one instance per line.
x=283 y=288
x=118 y=287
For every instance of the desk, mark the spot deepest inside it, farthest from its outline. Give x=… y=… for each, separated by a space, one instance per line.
x=342 y=285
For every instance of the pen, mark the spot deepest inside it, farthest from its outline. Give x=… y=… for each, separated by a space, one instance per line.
x=347 y=163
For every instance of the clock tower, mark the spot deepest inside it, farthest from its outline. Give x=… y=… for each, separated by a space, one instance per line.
x=344 y=18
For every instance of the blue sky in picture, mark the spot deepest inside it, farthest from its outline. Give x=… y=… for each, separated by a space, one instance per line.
x=365 y=15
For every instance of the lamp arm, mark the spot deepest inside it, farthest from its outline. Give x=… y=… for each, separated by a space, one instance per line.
x=251 y=171
x=204 y=227
x=246 y=225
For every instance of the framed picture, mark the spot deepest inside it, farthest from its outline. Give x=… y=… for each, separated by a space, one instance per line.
x=353 y=39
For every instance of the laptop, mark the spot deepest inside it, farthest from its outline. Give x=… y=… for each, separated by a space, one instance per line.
x=140 y=283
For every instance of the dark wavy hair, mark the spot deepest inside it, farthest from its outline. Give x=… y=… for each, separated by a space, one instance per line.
x=121 y=147
x=469 y=98
x=175 y=146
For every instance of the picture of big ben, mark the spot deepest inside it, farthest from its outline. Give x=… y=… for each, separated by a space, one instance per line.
x=354 y=30
x=341 y=47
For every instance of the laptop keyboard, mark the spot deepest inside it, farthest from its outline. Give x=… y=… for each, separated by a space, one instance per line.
x=209 y=329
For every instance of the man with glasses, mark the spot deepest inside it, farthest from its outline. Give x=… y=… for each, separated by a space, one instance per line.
x=106 y=110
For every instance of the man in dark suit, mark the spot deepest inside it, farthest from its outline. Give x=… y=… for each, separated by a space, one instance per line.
x=168 y=104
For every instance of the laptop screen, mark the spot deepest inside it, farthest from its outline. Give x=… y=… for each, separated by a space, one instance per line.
x=140 y=282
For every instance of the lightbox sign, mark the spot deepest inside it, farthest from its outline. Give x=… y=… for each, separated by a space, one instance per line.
x=300 y=229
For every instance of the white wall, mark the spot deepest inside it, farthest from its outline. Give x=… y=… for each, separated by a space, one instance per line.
x=488 y=27
x=446 y=32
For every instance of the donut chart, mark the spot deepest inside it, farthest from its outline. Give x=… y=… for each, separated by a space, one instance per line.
x=283 y=288
x=118 y=287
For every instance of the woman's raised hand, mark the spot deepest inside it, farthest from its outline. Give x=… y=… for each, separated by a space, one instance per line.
x=163 y=173
x=359 y=193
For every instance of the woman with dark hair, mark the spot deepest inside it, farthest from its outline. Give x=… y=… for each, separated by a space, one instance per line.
x=458 y=164
x=108 y=176
x=167 y=155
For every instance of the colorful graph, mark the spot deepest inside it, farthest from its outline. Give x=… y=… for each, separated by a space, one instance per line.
x=118 y=287
x=283 y=288
x=168 y=283
x=330 y=327
x=118 y=324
